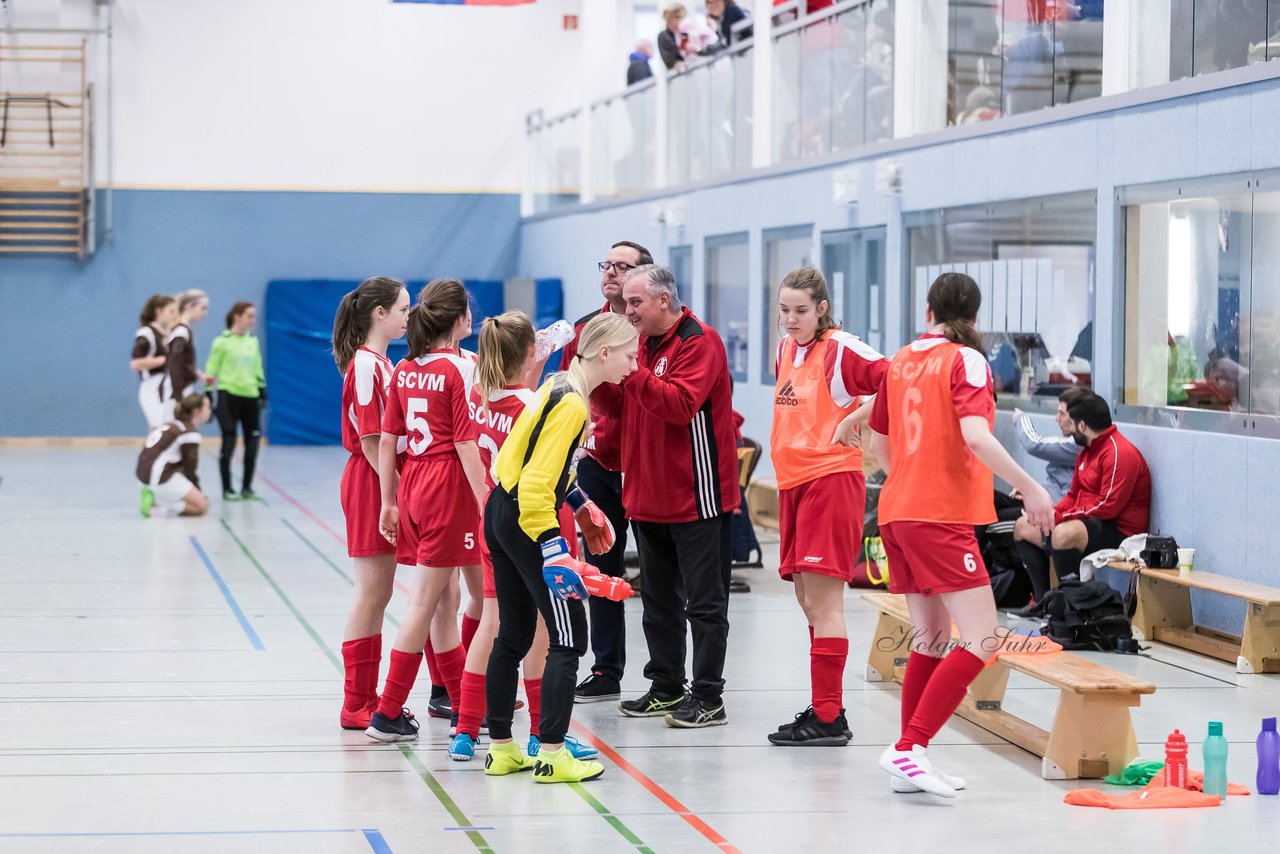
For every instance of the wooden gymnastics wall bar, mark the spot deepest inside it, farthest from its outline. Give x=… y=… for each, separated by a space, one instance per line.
x=45 y=118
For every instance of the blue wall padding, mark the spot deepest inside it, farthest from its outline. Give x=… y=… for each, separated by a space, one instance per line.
x=303 y=381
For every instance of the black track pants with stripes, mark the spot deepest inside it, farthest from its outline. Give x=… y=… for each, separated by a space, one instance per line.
x=522 y=597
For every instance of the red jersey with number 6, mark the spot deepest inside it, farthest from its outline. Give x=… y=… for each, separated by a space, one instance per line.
x=933 y=476
x=428 y=403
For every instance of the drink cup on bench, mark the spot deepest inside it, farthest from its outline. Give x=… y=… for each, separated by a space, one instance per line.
x=1186 y=561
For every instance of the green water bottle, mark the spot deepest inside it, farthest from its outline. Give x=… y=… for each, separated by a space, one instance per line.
x=1215 y=761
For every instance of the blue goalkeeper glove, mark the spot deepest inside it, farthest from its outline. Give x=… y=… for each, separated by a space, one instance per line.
x=559 y=571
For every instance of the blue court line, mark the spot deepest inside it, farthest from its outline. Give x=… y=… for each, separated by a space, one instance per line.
x=231 y=600
x=375 y=840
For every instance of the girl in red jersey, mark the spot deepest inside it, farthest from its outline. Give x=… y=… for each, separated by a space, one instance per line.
x=433 y=515
x=822 y=370
x=368 y=319
x=506 y=366
x=931 y=426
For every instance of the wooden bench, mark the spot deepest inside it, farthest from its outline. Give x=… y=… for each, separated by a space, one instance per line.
x=1164 y=614
x=1092 y=734
x=762 y=495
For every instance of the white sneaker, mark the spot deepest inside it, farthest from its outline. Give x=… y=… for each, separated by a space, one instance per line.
x=913 y=767
x=906 y=787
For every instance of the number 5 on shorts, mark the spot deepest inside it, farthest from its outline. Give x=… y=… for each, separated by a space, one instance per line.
x=469 y=541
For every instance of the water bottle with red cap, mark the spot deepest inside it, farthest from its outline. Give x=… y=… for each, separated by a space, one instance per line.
x=1175 y=760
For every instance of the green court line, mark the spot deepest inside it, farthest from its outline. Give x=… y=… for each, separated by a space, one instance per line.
x=315 y=636
x=459 y=816
x=324 y=557
x=616 y=822
x=438 y=790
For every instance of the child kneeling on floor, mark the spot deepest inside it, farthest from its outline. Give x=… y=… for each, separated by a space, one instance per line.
x=169 y=459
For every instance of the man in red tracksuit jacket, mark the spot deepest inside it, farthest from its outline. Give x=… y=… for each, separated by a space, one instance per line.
x=600 y=476
x=1109 y=499
x=680 y=488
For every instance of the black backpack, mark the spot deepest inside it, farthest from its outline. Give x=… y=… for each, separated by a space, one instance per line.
x=1086 y=615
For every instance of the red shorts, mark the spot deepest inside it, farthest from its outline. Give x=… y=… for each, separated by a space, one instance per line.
x=931 y=558
x=362 y=505
x=820 y=523
x=567 y=530
x=439 y=519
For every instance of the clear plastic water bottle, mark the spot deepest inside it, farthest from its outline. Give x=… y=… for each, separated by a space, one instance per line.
x=1268 y=758
x=552 y=339
x=1215 y=761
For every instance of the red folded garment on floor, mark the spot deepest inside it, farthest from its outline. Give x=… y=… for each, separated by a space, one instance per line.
x=1159 y=798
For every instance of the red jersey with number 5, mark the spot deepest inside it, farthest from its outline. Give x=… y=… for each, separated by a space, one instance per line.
x=427 y=403
x=933 y=476
x=494 y=424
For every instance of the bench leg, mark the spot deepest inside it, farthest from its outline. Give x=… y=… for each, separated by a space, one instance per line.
x=1260 y=646
x=890 y=644
x=1092 y=736
x=1161 y=603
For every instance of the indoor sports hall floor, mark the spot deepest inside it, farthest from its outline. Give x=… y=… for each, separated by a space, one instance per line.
x=173 y=686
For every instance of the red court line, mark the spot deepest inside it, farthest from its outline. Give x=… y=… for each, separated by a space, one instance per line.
x=657 y=791
x=314 y=518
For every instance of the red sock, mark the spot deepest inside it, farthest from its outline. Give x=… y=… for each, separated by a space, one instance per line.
x=433 y=665
x=469 y=626
x=533 y=690
x=401 y=673
x=373 y=664
x=470 y=706
x=920 y=668
x=826 y=673
x=452 y=663
x=941 y=697
x=353 y=670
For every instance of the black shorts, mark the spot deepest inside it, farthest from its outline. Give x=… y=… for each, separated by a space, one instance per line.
x=1103 y=534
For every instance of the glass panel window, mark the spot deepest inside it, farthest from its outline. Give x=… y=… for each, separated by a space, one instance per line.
x=727 y=297
x=1214 y=35
x=1187 y=278
x=879 y=70
x=785 y=249
x=682 y=269
x=1034 y=264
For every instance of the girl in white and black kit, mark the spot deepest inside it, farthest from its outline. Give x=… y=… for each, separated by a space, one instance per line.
x=184 y=376
x=168 y=462
x=150 y=357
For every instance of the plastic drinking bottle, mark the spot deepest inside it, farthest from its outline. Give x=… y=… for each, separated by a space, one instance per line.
x=552 y=339
x=1175 y=760
x=1268 y=758
x=1215 y=761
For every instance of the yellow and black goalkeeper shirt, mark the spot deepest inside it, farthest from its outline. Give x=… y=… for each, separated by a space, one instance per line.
x=533 y=465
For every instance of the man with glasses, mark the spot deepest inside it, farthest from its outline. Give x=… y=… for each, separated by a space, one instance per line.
x=600 y=476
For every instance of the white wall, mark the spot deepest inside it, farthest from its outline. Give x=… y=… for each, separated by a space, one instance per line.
x=335 y=94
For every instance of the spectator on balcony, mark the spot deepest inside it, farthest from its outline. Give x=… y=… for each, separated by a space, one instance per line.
x=671 y=40
x=639 y=69
x=723 y=15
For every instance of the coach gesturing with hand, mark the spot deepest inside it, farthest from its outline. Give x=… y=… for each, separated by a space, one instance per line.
x=679 y=489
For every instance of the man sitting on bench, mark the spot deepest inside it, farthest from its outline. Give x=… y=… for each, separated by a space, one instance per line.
x=1109 y=499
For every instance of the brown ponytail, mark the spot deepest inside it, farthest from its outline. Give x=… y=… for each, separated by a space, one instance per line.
x=811 y=281
x=153 y=307
x=355 y=314
x=504 y=345
x=185 y=410
x=954 y=299
x=439 y=306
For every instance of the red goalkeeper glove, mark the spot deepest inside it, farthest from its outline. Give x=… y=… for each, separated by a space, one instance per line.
x=596 y=528
x=605 y=586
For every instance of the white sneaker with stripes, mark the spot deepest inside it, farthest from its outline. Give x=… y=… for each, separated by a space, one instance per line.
x=913 y=767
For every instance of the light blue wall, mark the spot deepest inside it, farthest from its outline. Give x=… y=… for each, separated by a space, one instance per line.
x=66 y=326
x=1213 y=492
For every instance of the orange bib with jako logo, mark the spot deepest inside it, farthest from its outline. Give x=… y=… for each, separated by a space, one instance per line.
x=805 y=418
